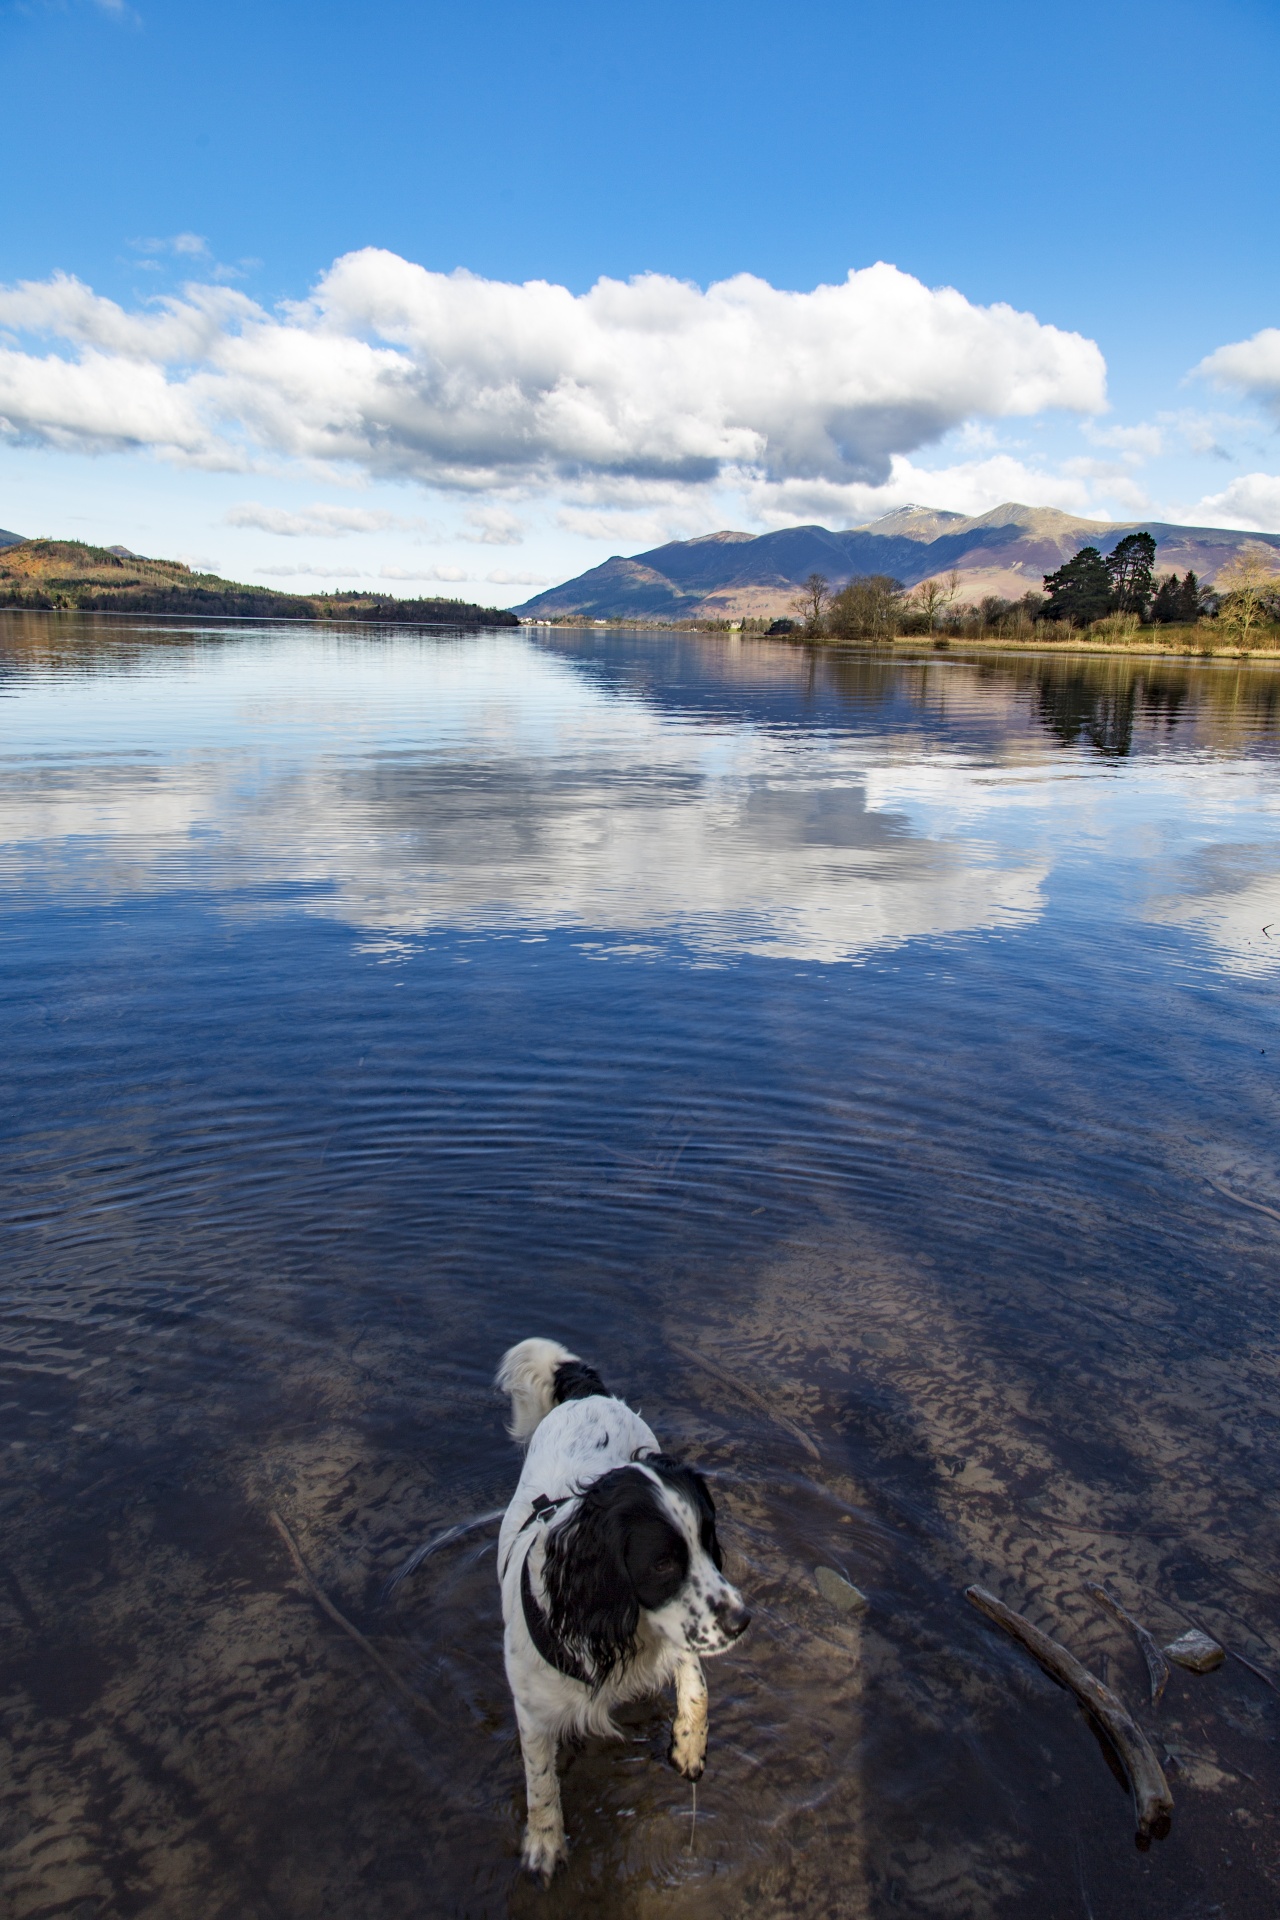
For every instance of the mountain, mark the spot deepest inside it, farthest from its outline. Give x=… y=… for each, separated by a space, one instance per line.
x=735 y=575
x=11 y=539
x=66 y=573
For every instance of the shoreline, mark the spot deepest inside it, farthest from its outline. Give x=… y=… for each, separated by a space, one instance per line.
x=1144 y=645
x=1152 y=650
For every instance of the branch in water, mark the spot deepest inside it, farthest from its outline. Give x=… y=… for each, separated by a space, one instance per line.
x=1157 y=1665
x=1153 y=1803
x=323 y=1601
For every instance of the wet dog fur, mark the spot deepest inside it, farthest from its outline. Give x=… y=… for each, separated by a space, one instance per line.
x=611 y=1577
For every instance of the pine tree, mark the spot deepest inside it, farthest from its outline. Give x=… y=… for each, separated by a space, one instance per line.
x=1190 y=592
x=1080 y=591
x=1166 y=608
x=1130 y=565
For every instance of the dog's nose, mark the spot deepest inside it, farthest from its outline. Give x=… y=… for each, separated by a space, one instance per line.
x=734 y=1619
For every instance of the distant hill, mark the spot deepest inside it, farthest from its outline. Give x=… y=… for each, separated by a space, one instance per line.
x=738 y=575
x=66 y=573
x=10 y=539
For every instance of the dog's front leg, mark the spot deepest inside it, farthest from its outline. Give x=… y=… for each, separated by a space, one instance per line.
x=544 y=1846
x=688 y=1753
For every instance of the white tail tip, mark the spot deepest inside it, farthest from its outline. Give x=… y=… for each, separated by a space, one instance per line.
x=528 y=1374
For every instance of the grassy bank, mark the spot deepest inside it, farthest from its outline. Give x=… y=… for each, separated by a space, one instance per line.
x=1202 y=642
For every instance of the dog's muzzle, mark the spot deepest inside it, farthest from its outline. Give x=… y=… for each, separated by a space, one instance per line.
x=732 y=1618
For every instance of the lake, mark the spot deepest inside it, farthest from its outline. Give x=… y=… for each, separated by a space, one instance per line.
x=868 y=1062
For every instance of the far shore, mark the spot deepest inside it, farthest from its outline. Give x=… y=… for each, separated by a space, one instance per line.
x=1183 y=643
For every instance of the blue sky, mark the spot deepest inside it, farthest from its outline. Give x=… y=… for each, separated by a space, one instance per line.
x=1106 y=170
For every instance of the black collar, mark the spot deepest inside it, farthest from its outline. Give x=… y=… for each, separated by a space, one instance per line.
x=548 y=1643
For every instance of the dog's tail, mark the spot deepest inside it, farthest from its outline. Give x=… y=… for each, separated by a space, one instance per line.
x=539 y=1374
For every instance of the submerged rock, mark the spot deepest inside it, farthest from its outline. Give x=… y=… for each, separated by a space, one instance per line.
x=1195 y=1651
x=842 y=1593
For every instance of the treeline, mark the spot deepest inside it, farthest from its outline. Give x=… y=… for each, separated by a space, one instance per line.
x=250 y=603
x=53 y=575
x=1110 y=595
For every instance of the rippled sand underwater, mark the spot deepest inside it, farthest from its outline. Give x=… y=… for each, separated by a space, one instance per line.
x=884 y=1035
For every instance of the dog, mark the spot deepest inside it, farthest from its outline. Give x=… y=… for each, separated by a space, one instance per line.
x=611 y=1576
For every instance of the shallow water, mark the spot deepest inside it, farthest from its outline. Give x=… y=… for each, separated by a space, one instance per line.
x=868 y=1063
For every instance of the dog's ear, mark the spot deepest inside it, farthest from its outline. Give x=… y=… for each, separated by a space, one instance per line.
x=688 y=1481
x=591 y=1600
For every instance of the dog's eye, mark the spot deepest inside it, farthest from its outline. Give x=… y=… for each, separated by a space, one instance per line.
x=665 y=1565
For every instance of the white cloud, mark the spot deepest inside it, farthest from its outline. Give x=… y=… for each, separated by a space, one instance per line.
x=968 y=486
x=1249 y=366
x=108 y=402
x=499 y=578
x=636 y=531
x=320 y=520
x=175 y=332
x=192 y=245
x=1134 y=444
x=452 y=380
x=1252 y=501
x=494 y=527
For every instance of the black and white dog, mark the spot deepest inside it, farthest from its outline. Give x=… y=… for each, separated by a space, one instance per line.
x=610 y=1572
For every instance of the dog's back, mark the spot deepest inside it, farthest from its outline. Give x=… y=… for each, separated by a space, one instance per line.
x=573 y=1428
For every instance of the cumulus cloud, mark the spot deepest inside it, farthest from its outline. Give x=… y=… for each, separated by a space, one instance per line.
x=967 y=486
x=1252 y=501
x=494 y=527
x=457 y=381
x=1249 y=366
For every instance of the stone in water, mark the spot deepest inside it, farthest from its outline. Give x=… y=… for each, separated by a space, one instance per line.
x=1195 y=1651
x=842 y=1594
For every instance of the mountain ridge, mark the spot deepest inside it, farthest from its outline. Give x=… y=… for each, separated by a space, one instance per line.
x=1005 y=551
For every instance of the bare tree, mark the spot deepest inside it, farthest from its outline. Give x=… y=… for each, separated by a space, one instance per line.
x=933 y=597
x=867 y=608
x=1248 y=585
x=811 y=603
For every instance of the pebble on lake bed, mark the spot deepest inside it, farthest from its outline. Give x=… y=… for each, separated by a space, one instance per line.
x=1195 y=1651
x=842 y=1593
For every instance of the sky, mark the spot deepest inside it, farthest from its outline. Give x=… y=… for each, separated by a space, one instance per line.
x=436 y=299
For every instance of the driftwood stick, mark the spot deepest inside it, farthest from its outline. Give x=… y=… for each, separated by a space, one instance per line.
x=749 y=1393
x=326 y=1605
x=1157 y=1665
x=1255 y=1205
x=1153 y=1803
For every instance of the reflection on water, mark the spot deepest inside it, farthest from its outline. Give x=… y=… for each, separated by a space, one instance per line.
x=896 y=1034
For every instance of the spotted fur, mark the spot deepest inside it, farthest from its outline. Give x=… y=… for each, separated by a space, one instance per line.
x=625 y=1589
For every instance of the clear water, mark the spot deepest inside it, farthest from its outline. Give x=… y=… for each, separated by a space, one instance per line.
x=864 y=1062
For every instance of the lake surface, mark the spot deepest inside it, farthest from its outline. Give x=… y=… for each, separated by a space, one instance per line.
x=868 y=1063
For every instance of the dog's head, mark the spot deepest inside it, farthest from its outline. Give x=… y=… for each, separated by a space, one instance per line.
x=642 y=1539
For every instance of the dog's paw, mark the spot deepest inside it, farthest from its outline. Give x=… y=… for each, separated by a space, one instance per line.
x=542 y=1853
x=687 y=1756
